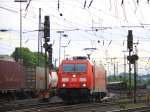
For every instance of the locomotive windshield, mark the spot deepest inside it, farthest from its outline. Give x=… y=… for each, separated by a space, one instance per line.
x=74 y=67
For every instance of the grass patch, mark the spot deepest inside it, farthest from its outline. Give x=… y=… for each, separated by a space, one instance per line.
x=127 y=106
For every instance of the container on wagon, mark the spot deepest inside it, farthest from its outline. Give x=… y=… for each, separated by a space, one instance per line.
x=11 y=75
x=35 y=78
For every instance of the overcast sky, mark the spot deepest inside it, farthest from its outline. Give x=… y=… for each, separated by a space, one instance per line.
x=101 y=24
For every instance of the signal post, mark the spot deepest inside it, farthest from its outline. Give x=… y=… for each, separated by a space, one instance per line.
x=48 y=48
x=130 y=48
x=132 y=60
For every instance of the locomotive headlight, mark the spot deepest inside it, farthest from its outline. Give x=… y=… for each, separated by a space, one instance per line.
x=83 y=85
x=74 y=75
x=64 y=85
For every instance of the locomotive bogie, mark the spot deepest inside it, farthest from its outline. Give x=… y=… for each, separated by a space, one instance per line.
x=74 y=94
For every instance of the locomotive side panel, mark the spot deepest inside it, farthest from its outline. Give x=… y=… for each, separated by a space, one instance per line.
x=11 y=75
x=89 y=76
x=99 y=79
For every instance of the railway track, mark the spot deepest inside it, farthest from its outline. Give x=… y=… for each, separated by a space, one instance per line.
x=12 y=105
x=25 y=104
x=85 y=107
x=140 y=109
x=56 y=105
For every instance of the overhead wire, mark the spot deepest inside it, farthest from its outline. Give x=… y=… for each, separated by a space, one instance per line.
x=140 y=21
x=76 y=26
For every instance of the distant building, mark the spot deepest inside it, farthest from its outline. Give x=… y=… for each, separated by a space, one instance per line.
x=6 y=57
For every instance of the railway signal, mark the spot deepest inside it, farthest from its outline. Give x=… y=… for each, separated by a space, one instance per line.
x=132 y=58
x=46 y=46
x=47 y=29
x=130 y=47
x=50 y=50
x=130 y=41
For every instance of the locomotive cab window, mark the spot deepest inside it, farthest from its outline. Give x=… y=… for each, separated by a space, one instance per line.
x=74 y=67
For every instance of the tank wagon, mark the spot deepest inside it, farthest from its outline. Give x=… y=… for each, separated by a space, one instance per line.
x=81 y=80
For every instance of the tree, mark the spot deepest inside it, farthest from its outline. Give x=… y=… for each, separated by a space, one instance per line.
x=29 y=58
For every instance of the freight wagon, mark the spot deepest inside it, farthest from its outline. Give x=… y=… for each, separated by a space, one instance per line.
x=11 y=78
x=22 y=82
x=117 y=86
x=35 y=80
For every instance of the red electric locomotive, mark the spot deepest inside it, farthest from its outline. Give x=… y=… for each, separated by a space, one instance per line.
x=81 y=80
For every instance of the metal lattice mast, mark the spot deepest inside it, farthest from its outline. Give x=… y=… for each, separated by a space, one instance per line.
x=39 y=39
